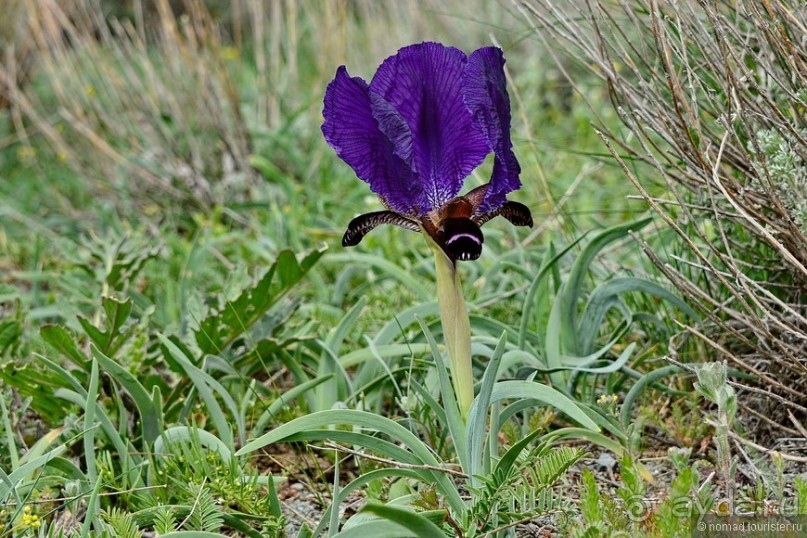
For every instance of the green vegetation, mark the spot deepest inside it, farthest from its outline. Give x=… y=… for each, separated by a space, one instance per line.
x=186 y=349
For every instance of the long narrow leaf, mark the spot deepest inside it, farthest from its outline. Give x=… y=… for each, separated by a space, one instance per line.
x=204 y=383
x=149 y=415
x=456 y=424
x=413 y=522
x=477 y=417
x=518 y=390
x=89 y=424
x=572 y=290
x=364 y=479
x=361 y=419
x=284 y=400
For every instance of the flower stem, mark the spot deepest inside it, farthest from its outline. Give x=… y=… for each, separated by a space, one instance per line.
x=456 y=327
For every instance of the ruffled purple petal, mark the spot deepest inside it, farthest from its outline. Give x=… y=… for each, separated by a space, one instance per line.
x=352 y=131
x=422 y=84
x=485 y=94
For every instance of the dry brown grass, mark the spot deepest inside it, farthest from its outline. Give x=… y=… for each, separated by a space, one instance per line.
x=161 y=109
x=713 y=94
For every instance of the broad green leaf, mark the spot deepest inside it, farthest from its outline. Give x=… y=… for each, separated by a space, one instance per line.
x=530 y=390
x=376 y=445
x=10 y=333
x=188 y=434
x=404 y=518
x=61 y=340
x=81 y=399
x=41 y=445
x=193 y=534
x=117 y=312
x=639 y=387
x=356 y=484
x=110 y=337
x=589 y=435
x=355 y=358
x=149 y=414
x=550 y=260
x=11 y=481
x=511 y=456
x=219 y=330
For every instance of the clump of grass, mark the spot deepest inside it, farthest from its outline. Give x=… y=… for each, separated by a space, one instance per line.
x=712 y=96
x=164 y=108
x=155 y=115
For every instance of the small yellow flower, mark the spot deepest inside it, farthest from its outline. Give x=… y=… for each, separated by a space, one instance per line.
x=62 y=156
x=29 y=520
x=607 y=400
x=89 y=89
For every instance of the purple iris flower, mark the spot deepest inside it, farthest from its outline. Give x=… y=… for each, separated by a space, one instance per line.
x=428 y=118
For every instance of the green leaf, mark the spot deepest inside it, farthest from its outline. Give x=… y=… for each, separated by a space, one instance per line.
x=90 y=516
x=89 y=424
x=206 y=386
x=386 y=351
x=61 y=340
x=193 y=534
x=477 y=418
x=284 y=399
x=10 y=332
x=356 y=484
x=572 y=290
x=110 y=337
x=550 y=260
x=189 y=434
x=511 y=456
x=387 y=267
x=218 y=331
x=601 y=300
x=453 y=414
x=589 y=435
x=360 y=419
x=11 y=481
x=521 y=390
x=117 y=312
x=406 y=518
x=638 y=388
x=149 y=414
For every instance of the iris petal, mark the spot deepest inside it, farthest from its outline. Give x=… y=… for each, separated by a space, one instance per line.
x=423 y=85
x=485 y=94
x=352 y=131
